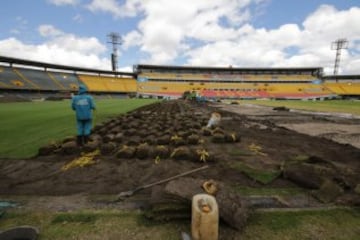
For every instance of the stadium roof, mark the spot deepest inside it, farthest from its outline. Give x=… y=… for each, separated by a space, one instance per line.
x=30 y=63
x=230 y=69
x=342 y=77
x=138 y=68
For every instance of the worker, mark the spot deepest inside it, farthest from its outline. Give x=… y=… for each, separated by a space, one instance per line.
x=83 y=104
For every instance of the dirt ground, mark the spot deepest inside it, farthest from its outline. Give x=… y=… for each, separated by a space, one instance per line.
x=338 y=127
x=168 y=138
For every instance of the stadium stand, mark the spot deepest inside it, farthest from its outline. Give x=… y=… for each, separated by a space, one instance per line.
x=346 y=86
x=10 y=80
x=108 y=84
x=162 y=88
x=30 y=78
x=289 y=83
x=64 y=81
x=25 y=77
x=298 y=91
x=40 y=80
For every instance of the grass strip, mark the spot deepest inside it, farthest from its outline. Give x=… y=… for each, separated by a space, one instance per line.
x=259 y=175
x=120 y=224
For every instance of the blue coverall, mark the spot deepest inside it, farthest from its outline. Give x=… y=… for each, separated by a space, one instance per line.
x=83 y=104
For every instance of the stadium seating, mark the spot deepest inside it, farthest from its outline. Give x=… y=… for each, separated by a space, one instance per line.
x=10 y=80
x=298 y=90
x=230 y=85
x=236 y=94
x=65 y=81
x=97 y=83
x=167 y=81
x=162 y=88
x=33 y=79
x=38 y=79
x=344 y=88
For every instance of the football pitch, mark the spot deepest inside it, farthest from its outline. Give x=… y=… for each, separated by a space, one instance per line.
x=24 y=127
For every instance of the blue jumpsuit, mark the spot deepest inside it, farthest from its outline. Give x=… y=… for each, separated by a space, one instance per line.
x=83 y=104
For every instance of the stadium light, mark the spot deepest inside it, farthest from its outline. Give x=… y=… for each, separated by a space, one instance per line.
x=341 y=43
x=115 y=40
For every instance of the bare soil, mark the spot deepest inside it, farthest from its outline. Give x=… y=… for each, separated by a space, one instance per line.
x=338 y=127
x=259 y=138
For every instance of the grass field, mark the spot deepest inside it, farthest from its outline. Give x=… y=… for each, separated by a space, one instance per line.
x=120 y=224
x=24 y=127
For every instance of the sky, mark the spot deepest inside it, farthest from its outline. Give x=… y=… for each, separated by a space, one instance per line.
x=211 y=33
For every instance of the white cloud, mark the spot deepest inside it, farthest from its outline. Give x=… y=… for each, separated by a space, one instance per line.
x=326 y=25
x=209 y=56
x=59 y=48
x=217 y=33
x=47 y=30
x=71 y=42
x=166 y=26
x=133 y=38
x=125 y=69
x=204 y=33
x=110 y=6
x=252 y=47
x=129 y=9
x=351 y=67
x=63 y=2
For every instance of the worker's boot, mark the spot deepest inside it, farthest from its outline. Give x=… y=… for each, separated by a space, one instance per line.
x=79 y=141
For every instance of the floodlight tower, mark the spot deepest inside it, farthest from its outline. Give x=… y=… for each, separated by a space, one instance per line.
x=115 y=40
x=341 y=43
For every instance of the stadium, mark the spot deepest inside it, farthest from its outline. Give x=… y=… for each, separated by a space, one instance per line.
x=23 y=78
x=275 y=157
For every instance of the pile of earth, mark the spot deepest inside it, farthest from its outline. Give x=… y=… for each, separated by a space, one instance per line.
x=168 y=138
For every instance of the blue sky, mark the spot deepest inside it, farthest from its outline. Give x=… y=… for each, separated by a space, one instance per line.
x=241 y=33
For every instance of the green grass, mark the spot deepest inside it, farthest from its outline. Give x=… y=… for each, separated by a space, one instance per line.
x=336 y=224
x=96 y=224
x=315 y=224
x=236 y=152
x=78 y=217
x=340 y=106
x=259 y=175
x=24 y=127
